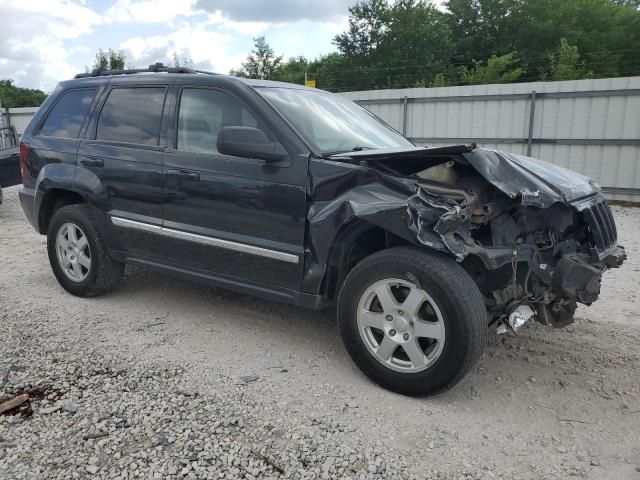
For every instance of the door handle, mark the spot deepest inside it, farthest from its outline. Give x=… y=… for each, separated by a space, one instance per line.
x=184 y=175
x=92 y=162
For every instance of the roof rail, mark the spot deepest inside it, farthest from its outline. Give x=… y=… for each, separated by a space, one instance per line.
x=156 y=67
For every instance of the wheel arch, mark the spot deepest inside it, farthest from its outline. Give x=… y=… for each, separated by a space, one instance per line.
x=64 y=184
x=354 y=241
x=53 y=200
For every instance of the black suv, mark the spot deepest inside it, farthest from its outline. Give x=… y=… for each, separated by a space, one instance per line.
x=301 y=196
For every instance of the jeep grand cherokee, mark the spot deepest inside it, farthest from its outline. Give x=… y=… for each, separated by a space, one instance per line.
x=301 y=196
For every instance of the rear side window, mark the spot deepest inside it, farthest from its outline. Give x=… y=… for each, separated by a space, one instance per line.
x=132 y=115
x=67 y=115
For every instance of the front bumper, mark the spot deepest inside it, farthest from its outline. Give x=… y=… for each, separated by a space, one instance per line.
x=616 y=258
x=578 y=278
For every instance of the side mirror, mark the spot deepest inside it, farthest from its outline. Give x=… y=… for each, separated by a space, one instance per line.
x=248 y=142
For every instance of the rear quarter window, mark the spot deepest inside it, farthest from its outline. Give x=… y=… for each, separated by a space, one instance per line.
x=132 y=115
x=67 y=115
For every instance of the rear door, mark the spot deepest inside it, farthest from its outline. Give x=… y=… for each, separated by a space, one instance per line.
x=231 y=216
x=122 y=160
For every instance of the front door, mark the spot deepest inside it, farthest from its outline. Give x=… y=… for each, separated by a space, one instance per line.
x=234 y=217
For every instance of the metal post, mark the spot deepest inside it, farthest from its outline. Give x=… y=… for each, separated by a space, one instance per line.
x=532 y=115
x=404 y=116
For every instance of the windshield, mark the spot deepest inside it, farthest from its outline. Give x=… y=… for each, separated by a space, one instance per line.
x=331 y=123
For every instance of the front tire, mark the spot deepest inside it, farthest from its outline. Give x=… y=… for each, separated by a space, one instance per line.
x=413 y=321
x=78 y=254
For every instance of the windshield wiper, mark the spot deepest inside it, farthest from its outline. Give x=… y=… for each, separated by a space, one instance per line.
x=359 y=148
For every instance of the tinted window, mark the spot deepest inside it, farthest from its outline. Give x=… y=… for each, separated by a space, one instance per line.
x=203 y=113
x=132 y=115
x=67 y=115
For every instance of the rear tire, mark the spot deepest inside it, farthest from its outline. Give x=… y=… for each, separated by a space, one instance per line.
x=413 y=321
x=78 y=254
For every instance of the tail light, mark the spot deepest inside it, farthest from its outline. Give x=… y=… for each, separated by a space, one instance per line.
x=24 y=155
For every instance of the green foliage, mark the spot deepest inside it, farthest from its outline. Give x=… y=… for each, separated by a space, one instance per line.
x=109 y=60
x=12 y=96
x=261 y=63
x=238 y=73
x=482 y=28
x=408 y=43
x=439 y=81
x=394 y=44
x=565 y=64
x=627 y=3
x=500 y=69
x=294 y=69
x=332 y=71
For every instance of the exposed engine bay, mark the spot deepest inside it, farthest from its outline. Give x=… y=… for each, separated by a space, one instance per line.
x=536 y=238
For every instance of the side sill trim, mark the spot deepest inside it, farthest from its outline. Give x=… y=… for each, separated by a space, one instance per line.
x=204 y=240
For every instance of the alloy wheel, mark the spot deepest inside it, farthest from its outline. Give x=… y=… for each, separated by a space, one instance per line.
x=401 y=325
x=73 y=252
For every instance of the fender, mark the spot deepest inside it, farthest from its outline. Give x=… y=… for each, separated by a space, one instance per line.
x=55 y=177
x=336 y=267
x=345 y=202
x=89 y=185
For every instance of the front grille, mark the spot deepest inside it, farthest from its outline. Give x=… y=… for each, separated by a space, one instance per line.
x=602 y=226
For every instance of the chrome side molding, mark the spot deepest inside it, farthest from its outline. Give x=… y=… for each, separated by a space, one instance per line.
x=205 y=240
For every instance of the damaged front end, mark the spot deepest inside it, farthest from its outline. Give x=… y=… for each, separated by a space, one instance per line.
x=535 y=238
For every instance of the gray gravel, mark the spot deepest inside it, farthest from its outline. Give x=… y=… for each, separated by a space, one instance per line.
x=164 y=378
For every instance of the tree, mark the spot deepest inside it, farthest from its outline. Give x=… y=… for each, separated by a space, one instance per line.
x=394 y=44
x=500 y=69
x=565 y=64
x=332 y=72
x=628 y=3
x=109 y=60
x=601 y=30
x=482 y=28
x=368 y=23
x=407 y=43
x=439 y=81
x=294 y=70
x=12 y=96
x=182 y=61
x=238 y=73
x=261 y=63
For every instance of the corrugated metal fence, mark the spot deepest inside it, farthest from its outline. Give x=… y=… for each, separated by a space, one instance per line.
x=590 y=126
x=19 y=117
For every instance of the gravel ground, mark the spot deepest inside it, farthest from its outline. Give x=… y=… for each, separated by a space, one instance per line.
x=164 y=378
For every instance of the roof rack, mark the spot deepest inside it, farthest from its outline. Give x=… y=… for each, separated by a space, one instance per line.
x=155 y=68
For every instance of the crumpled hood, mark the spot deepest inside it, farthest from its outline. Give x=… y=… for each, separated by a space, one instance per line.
x=539 y=183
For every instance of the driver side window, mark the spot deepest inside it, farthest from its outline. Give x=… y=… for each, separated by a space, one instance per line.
x=203 y=113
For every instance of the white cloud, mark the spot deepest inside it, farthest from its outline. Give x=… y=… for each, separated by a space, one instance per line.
x=61 y=18
x=277 y=11
x=149 y=11
x=32 y=44
x=45 y=41
x=206 y=48
x=337 y=26
x=245 y=28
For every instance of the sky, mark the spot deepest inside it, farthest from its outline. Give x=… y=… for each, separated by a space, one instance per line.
x=45 y=41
